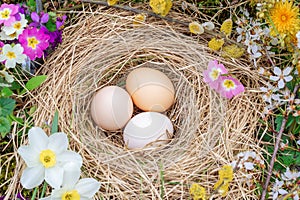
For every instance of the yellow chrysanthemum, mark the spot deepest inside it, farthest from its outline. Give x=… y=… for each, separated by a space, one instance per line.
x=285 y=18
x=198 y=192
x=112 y=2
x=226 y=27
x=139 y=19
x=215 y=44
x=161 y=7
x=196 y=28
x=233 y=51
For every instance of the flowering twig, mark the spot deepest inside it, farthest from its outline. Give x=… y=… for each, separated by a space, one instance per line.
x=276 y=147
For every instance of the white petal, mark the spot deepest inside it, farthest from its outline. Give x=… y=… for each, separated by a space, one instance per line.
x=10 y=63
x=282 y=191
x=274 y=78
x=275 y=195
x=2 y=58
x=21 y=58
x=287 y=71
x=18 y=49
x=38 y=138
x=87 y=187
x=69 y=156
x=71 y=175
x=29 y=155
x=56 y=194
x=288 y=78
x=32 y=177
x=249 y=165
x=54 y=176
x=277 y=71
x=281 y=84
x=58 y=142
x=6 y=48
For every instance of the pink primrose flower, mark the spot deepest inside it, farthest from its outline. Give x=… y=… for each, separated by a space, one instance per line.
x=213 y=73
x=8 y=14
x=34 y=42
x=229 y=87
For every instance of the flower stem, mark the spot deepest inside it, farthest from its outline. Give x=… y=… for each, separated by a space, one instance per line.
x=44 y=190
x=34 y=193
x=276 y=147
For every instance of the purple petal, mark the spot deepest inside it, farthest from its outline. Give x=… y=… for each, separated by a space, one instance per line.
x=18 y=16
x=19 y=196
x=44 y=18
x=35 y=17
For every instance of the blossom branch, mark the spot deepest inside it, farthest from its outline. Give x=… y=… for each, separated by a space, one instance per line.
x=276 y=147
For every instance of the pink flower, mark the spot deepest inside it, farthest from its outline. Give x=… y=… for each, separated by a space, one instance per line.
x=229 y=87
x=34 y=42
x=1 y=45
x=213 y=73
x=8 y=14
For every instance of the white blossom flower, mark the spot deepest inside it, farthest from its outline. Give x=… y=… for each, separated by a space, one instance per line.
x=73 y=188
x=282 y=76
x=290 y=175
x=9 y=78
x=12 y=55
x=16 y=27
x=295 y=195
x=298 y=142
x=269 y=93
x=208 y=25
x=277 y=189
x=45 y=157
x=4 y=36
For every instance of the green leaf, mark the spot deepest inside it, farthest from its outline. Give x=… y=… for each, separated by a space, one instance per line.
x=51 y=25
x=7 y=105
x=54 y=127
x=6 y=92
x=34 y=82
x=290 y=121
x=19 y=120
x=31 y=4
x=296 y=130
x=278 y=122
x=4 y=126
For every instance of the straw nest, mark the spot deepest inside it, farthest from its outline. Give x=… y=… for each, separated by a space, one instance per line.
x=100 y=49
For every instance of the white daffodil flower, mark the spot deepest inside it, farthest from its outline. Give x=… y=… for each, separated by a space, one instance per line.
x=16 y=27
x=73 y=188
x=12 y=55
x=45 y=157
x=282 y=76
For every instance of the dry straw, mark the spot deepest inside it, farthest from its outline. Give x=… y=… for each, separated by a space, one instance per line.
x=100 y=49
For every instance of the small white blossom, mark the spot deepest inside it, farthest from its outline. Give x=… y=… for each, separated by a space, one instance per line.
x=282 y=76
x=208 y=25
x=277 y=189
x=290 y=175
x=298 y=142
x=12 y=55
x=16 y=27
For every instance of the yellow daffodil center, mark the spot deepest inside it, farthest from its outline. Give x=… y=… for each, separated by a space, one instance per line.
x=11 y=55
x=32 y=42
x=5 y=14
x=214 y=74
x=48 y=158
x=17 y=25
x=229 y=84
x=71 y=195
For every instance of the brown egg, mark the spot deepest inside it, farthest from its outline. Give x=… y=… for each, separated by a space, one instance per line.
x=150 y=89
x=111 y=108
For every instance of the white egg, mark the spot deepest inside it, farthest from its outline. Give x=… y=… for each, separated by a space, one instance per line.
x=111 y=108
x=148 y=129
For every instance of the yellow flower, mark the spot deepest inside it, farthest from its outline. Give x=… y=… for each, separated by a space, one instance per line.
x=233 y=51
x=112 y=2
x=215 y=44
x=161 y=7
x=139 y=19
x=285 y=18
x=198 y=192
x=226 y=27
x=196 y=28
x=225 y=177
x=221 y=187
